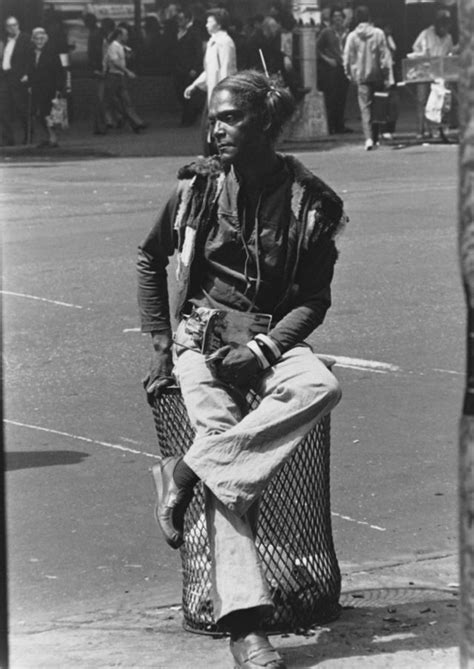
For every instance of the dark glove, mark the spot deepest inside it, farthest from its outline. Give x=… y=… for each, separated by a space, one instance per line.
x=234 y=364
x=159 y=377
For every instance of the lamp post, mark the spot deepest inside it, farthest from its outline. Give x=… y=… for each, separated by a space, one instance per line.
x=466 y=252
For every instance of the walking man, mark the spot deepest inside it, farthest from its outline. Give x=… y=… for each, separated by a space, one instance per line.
x=331 y=76
x=116 y=75
x=367 y=62
x=188 y=64
x=255 y=235
x=14 y=81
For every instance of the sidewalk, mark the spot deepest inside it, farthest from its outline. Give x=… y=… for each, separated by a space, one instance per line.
x=164 y=137
x=403 y=616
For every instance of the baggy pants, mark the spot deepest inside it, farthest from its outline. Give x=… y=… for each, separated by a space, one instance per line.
x=365 y=97
x=236 y=455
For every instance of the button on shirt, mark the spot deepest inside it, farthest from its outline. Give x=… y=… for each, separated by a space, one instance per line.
x=7 y=54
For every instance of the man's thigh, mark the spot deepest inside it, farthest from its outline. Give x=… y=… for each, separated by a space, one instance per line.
x=298 y=378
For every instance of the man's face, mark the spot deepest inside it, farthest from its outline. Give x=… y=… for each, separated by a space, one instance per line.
x=40 y=39
x=338 y=19
x=237 y=132
x=211 y=25
x=442 y=23
x=182 y=20
x=12 y=27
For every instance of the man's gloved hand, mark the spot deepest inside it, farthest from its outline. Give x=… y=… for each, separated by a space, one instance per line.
x=235 y=364
x=161 y=366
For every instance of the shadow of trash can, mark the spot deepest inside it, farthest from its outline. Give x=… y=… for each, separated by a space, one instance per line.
x=294 y=537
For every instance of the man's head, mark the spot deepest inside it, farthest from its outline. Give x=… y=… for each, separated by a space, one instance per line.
x=337 y=17
x=271 y=29
x=90 y=21
x=326 y=15
x=184 y=17
x=12 y=26
x=442 y=22
x=247 y=113
x=39 y=37
x=217 y=19
x=362 y=14
x=119 y=35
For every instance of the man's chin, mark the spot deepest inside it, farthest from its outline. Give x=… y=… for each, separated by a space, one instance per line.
x=227 y=155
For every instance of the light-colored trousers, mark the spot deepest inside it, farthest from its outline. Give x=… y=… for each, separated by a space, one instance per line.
x=365 y=98
x=236 y=455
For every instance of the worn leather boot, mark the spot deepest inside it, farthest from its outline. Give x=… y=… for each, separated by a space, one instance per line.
x=254 y=651
x=172 y=501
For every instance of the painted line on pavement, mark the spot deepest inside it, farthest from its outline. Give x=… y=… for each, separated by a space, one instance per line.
x=119 y=447
x=359 y=522
x=87 y=440
x=41 y=299
x=360 y=363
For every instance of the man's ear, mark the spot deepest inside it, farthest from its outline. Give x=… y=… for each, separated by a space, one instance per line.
x=266 y=121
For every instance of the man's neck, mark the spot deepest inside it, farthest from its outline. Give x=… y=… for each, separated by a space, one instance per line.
x=255 y=174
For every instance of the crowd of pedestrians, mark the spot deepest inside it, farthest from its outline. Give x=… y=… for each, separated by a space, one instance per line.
x=32 y=76
x=199 y=47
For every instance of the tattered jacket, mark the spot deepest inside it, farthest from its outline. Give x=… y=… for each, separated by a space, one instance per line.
x=315 y=220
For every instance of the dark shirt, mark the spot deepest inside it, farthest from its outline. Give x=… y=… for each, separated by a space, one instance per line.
x=297 y=296
x=331 y=44
x=244 y=255
x=189 y=52
x=20 y=57
x=95 y=50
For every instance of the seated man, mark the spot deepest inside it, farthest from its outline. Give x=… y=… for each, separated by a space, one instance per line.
x=254 y=231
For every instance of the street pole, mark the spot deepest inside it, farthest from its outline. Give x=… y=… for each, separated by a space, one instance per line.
x=466 y=251
x=137 y=18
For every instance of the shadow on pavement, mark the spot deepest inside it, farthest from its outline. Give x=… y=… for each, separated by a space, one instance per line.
x=32 y=459
x=382 y=621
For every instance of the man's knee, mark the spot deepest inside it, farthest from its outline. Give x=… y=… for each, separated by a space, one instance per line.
x=325 y=388
x=333 y=390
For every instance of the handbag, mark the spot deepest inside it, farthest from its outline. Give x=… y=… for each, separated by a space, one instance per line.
x=58 y=117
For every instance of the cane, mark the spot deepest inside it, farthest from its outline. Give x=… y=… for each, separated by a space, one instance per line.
x=29 y=121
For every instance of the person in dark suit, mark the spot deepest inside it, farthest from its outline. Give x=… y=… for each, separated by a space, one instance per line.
x=188 y=64
x=46 y=77
x=14 y=81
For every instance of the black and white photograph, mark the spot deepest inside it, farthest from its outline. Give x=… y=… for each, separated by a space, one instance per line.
x=237 y=295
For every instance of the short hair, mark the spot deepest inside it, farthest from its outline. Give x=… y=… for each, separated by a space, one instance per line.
x=90 y=20
x=271 y=103
x=120 y=30
x=38 y=31
x=186 y=12
x=221 y=16
x=362 y=14
x=336 y=10
x=10 y=18
x=107 y=25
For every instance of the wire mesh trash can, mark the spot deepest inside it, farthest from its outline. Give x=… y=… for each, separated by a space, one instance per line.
x=294 y=537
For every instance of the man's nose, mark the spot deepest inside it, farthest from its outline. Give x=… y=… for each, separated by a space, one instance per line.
x=218 y=128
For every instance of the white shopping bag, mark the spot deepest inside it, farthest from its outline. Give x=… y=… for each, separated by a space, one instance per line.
x=438 y=103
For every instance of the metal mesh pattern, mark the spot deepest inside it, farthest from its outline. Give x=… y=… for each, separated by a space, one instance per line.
x=294 y=536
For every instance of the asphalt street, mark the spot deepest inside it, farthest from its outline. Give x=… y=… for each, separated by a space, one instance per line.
x=80 y=436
